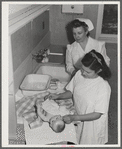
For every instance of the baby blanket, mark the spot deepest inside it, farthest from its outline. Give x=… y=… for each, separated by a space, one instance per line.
x=26 y=108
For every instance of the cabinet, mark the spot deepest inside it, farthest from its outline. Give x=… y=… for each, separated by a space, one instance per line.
x=12 y=114
x=26 y=30
x=72 y=8
x=40 y=27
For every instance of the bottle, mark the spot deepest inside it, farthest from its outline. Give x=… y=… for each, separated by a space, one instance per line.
x=46 y=59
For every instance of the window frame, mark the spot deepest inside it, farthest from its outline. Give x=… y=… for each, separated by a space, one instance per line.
x=110 y=38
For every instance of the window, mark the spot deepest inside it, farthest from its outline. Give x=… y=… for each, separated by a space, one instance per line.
x=107 y=23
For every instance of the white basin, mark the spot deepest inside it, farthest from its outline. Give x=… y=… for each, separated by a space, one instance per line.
x=35 y=82
x=57 y=71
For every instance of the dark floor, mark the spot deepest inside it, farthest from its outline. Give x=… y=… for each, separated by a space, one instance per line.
x=113 y=107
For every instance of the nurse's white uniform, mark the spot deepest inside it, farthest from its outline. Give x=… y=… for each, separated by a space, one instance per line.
x=75 y=53
x=91 y=95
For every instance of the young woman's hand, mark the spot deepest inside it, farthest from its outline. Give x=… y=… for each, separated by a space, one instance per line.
x=52 y=96
x=42 y=95
x=68 y=119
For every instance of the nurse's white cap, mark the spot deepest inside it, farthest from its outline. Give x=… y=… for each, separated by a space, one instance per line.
x=88 y=22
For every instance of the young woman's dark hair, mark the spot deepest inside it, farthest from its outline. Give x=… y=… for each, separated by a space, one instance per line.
x=96 y=62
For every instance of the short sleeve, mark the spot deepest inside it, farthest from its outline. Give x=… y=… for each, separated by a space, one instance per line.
x=69 y=62
x=74 y=81
x=103 y=52
x=70 y=85
x=103 y=98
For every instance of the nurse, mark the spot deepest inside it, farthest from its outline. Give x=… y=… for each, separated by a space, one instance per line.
x=83 y=44
x=91 y=94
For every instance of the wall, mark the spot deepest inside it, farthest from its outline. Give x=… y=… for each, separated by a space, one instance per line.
x=28 y=37
x=25 y=41
x=58 y=21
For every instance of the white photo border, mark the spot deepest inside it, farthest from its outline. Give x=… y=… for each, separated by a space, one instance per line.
x=5 y=72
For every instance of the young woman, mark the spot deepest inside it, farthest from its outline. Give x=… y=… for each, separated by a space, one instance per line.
x=82 y=44
x=91 y=94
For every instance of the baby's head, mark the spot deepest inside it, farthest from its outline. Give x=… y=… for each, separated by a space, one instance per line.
x=57 y=124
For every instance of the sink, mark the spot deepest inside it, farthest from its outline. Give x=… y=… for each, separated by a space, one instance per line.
x=56 y=71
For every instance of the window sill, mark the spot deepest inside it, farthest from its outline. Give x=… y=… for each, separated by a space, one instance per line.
x=108 y=38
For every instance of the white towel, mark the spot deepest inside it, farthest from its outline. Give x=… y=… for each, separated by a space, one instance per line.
x=45 y=135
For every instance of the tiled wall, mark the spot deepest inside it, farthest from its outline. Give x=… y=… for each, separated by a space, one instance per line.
x=25 y=39
x=29 y=39
x=21 y=42
x=60 y=51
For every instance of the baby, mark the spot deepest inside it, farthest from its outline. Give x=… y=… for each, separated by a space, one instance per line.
x=51 y=112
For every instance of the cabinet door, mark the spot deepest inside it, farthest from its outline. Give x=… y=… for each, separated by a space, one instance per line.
x=11 y=100
x=12 y=118
x=45 y=23
x=37 y=29
x=40 y=26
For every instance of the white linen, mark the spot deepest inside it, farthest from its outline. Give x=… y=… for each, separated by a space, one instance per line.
x=53 y=108
x=91 y=95
x=75 y=53
x=45 y=135
x=50 y=106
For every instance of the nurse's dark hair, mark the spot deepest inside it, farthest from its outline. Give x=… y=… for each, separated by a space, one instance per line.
x=96 y=62
x=76 y=23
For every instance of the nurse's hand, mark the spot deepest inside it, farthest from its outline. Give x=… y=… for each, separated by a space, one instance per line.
x=73 y=73
x=52 y=96
x=68 y=119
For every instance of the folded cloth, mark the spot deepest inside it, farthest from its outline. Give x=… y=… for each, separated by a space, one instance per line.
x=36 y=123
x=33 y=120
x=68 y=103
